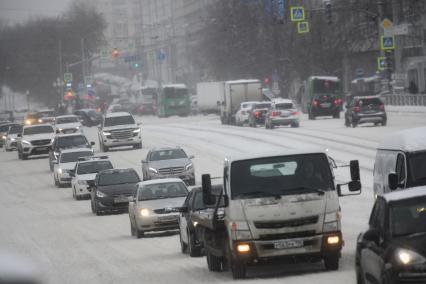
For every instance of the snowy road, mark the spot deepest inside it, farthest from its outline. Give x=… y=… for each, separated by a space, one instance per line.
x=71 y=245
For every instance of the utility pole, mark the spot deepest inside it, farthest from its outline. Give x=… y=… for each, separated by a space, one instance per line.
x=396 y=5
x=380 y=18
x=83 y=65
x=61 y=74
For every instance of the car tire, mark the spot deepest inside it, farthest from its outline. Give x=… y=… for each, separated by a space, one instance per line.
x=56 y=182
x=193 y=250
x=24 y=157
x=354 y=123
x=138 y=146
x=295 y=125
x=214 y=263
x=132 y=229
x=51 y=165
x=331 y=262
x=74 y=195
x=183 y=246
x=92 y=206
x=311 y=116
x=384 y=122
x=139 y=234
x=19 y=155
x=336 y=115
x=347 y=124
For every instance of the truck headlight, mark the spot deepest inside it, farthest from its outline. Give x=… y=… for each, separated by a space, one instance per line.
x=82 y=182
x=188 y=167
x=144 y=212
x=100 y=194
x=153 y=170
x=106 y=133
x=409 y=257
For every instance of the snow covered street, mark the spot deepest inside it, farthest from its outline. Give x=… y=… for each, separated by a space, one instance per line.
x=71 y=245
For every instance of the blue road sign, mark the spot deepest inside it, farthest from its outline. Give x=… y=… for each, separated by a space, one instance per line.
x=281 y=10
x=161 y=55
x=387 y=42
x=80 y=86
x=297 y=14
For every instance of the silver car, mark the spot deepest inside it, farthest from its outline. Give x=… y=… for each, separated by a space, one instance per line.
x=168 y=162
x=153 y=206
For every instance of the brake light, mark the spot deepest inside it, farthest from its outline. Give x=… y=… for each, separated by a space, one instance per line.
x=357 y=109
x=295 y=113
x=315 y=103
x=382 y=107
x=257 y=113
x=275 y=113
x=337 y=101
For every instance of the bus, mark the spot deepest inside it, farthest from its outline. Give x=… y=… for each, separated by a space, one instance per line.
x=321 y=96
x=173 y=100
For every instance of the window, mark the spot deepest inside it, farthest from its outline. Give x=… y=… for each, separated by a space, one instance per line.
x=15 y=129
x=119 y=120
x=408 y=217
x=175 y=93
x=417 y=166
x=167 y=155
x=63 y=120
x=162 y=190
x=73 y=157
x=38 y=130
x=377 y=218
x=72 y=141
x=400 y=169
x=93 y=167
x=118 y=177
x=284 y=106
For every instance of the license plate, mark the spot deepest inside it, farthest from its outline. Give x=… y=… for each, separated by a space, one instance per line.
x=326 y=105
x=121 y=200
x=41 y=149
x=168 y=218
x=288 y=244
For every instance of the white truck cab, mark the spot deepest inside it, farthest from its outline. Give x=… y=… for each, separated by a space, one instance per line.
x=277 y=206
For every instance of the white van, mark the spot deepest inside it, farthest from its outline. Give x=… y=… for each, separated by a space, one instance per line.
x=401 y=161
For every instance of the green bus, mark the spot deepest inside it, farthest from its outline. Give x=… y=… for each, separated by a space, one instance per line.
x=322 y=96
x=173 y=100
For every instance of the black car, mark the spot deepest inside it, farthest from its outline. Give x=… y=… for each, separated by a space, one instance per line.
x=188 y=234
x=258 y=113
x=393 y=249
x=67 y=141
x=369 y=109
x=89 y=117
x=111 y=190
x=325 y=105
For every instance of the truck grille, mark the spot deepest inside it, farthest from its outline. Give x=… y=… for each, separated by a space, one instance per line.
x=121 y=194
x=171 y=171
x=164 y=211
x=122 y=134
x=294 y=235
x=40 y=142
x=286 y=223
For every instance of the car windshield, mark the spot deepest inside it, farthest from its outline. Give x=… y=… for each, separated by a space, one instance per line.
x=15 y=129
x=46 y=113
x=72 y=141
x=417 y=166
x=167 y=155
x=73 y=156
x=118 y=177
x=246 y=105
x=260 y=106
x=198 y=199
x=4 y=128
x=284 y=106
x=119 y=120
x=408 y=217
x=372 y=101
x=69 y=119
x=93 y=113
x=93 y=167
x=282 y=175
x=162 y=190
x=38 y=130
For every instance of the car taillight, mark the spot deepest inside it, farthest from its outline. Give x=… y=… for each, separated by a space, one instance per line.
x=275 y=113
x=295 y=113
x=337 y=102
x=357 y=109
x=257 y=113
x=382 y=107
x=315 y=103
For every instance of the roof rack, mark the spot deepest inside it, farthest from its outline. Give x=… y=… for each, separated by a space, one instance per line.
x=81 y=159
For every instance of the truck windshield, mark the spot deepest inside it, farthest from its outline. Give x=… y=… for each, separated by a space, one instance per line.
x=162 y=190
x=119 y=120
x=417 y=166
x=408 y=217
x=73 y=157
x=276 y=176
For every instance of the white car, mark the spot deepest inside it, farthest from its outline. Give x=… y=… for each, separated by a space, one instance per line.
x=35 y=140
x=282 y=112
x=66 y=163
x=11 y=137
x=243 y=113
x=84 y=172
x=68 y=124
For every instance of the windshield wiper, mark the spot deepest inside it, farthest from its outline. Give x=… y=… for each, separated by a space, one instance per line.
x=259 y=194
x=306 y=189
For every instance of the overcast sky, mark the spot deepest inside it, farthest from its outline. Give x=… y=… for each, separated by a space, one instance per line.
x=18 y=11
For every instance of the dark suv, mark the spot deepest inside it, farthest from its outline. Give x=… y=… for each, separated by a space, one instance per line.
x=67 y=141
x=258 y=113
x=325 y=105
x=369 y=109
x=111 y=189
x=393 y=249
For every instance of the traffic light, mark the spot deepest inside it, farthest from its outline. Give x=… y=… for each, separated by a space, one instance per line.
x=115 y=53
x=328 y=11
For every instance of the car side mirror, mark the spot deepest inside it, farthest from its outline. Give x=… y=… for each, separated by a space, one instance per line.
x=354 y=166
x=19 y=135
x=208 y=198
x=393 y=181
x=183 y=209
x=92 y=143
x=72 y=173
x=372 y=235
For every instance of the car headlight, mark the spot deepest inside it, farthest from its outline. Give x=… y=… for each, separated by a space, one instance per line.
x=40 y=121
x=409 y=257
x=106 y=133
x=12 y=139
x=60 y=129
x=153 y=170
x=144 y=212
x=137 y=130
x=77 y=127
x=60 y=171
x=100 y=194
x=188 y=167
x=25 y=142
x=82 y=182
x=4 y=137
x=28 y=122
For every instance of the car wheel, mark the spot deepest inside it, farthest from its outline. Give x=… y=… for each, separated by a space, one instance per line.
x=384 y=122
x=183 y=246
x=19 y=155
x=24 y=157
x=139 y=234
x=331 y=262
x=347 y=124
x=354 y=123
x=132 y=229
x=311 y=116
x=96 y=209
x=214 y=263
x=74 y=195
x=336 y=115
x=193 y=250
x=92 y=206
x=295 y=125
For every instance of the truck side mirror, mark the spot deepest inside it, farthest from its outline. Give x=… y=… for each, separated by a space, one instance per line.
x=72 y=173
x=19 y=135
x=393 y=181
x=207 y=190
x=354 y=166
x=92 y=143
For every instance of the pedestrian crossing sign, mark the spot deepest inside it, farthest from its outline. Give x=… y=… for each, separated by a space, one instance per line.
x=387 y=42
x=302 y=27
x=297 y=14
x=381 y=63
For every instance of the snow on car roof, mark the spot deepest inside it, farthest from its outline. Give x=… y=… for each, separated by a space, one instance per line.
x=243 y=81
x=282 y=101
x=177 y=86
x=160 y=181
x=328 y=78
x=241 y=157
x=116 y=114
x=408 y=140
x=75 y=150
x=404 y=194
x=36 y=125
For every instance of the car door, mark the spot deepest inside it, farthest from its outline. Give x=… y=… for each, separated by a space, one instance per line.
x=183 y=218
x=372 y=263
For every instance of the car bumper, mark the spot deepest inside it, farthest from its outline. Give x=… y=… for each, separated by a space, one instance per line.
x=122 y=142
x=64 y=178
x=36 y=150
x=284 y=120
x=376 y=117
x=158 y=222
x=314 y=248
x=109 y=204
x=82 y=190
x=11 y=145
x=410 y=274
